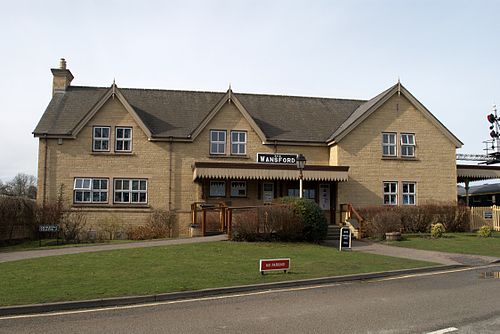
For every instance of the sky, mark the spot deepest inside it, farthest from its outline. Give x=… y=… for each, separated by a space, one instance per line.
x=447 y=53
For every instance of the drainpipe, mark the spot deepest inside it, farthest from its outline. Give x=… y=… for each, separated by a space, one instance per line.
x=45 y=170
x=170 y=173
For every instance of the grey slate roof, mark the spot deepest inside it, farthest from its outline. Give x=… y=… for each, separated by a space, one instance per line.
x=178 y=113
x=481 y=189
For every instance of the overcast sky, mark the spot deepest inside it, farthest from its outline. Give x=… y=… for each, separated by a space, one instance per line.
x=447 y=53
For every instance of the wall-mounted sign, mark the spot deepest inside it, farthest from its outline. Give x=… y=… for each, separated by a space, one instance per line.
x=277 y=158
x=274 y=264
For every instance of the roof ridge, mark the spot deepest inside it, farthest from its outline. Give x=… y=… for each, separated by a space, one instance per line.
x=237 y=93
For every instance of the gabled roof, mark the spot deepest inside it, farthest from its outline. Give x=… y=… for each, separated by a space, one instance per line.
x=366 y=109
x=182 y=115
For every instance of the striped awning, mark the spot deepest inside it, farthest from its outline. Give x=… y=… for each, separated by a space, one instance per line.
x=254 y=171
x=477 y=173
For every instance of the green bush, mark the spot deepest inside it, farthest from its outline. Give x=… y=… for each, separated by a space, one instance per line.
x=484 y=231
x=314 y=224
x=437 y=230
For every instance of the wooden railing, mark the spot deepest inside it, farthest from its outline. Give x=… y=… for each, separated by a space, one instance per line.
x=347 y=212
x=485 y=215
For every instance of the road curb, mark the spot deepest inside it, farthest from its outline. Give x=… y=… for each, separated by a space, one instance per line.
x=130 y=300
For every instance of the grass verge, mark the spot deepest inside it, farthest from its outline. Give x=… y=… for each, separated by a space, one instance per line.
x=463 y=243
x=153 y=270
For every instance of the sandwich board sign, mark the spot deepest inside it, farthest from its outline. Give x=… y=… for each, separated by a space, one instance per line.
x=345 y=238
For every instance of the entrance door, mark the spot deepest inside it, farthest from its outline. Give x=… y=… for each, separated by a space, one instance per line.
x=268 y=192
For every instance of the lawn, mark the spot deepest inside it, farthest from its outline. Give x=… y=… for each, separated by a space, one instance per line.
x=464 y=243
x=175 y=268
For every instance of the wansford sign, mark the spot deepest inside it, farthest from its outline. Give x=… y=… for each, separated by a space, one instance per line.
x=277 y=158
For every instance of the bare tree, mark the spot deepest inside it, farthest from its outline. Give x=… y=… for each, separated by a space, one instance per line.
x=22 y=185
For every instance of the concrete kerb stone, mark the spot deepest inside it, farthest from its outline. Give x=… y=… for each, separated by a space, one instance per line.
x=183 y=295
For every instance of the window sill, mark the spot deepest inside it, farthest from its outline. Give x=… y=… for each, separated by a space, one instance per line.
x=111 y=206
x=111 y=153
x=223 y=156
x=400 y=158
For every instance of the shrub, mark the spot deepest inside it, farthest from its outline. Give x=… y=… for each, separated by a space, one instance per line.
x=384 y=222
x=416 y=219
x=17 y=218
x=159 y=225
x=72 y=225
x=245 y=226
x=484 y=231
x=437 y=230
x=268 y=223
x=315 y=226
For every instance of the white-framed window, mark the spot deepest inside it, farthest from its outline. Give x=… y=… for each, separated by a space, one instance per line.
x=123 y=139
x=90 y=190
x=238 y=189
x=390 y=193
x=217 y=189
x=409 y=193
x=217 y=141
x=407 y=145
x=389 y=146
x=268 y=192
x=308 y=193
x=133 y=191
x=100 y=138
x=238 y=142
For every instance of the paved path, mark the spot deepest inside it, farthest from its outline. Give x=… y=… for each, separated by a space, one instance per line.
x=21 y=255
x=423 y=255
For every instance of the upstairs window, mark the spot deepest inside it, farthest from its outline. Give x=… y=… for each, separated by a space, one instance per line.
x=389 y=144
x=407 y=145
x=131 y=191
x=217 y=142
x=123 y=141
x=409 y=193
x=390 y=193
x=88 y=190
x=100 y=138
x=238 y=142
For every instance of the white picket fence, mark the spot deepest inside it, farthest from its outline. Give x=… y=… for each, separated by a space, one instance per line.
x=485 y=215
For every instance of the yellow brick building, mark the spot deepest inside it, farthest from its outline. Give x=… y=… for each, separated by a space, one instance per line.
x=120 y=152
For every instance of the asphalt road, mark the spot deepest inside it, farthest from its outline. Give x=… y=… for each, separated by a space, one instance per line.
x=461 y=300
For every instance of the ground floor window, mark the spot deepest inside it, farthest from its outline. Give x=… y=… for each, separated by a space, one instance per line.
x=130 y=191
x=217 y=189
x=90 y=190
x=390 y=193
x=268 y=192
x=308 y=193
x=238 y=189
x=409 y=193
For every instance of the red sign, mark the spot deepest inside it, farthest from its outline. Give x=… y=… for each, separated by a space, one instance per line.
x=274 y=264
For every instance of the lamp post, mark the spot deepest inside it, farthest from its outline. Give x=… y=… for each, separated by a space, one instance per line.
x=301 y=163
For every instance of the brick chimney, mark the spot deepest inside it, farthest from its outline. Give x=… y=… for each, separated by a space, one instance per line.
x=62 y=78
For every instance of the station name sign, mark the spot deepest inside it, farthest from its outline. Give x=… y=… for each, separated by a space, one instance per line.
x=277 y=158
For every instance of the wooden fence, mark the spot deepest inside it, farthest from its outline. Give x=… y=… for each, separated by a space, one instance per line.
x=485 y=215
